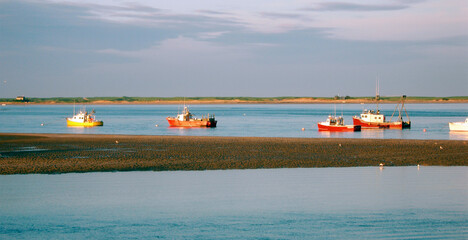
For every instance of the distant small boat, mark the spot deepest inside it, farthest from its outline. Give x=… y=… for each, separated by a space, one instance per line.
x=83 y=119
x=459 y=126
x=336 y=124
x=187 y=119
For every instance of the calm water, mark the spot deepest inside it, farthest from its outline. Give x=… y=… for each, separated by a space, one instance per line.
x=277 y=120
x=315 y=203
x=320 y=203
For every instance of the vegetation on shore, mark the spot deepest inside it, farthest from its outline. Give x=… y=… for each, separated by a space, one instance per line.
x=168 y=100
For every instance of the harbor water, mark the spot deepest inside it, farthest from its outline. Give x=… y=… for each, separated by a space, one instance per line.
x=315 y=203
x=414 y=202
x=257 y=120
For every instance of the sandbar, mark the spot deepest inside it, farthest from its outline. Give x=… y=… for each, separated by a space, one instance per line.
x=66 y=153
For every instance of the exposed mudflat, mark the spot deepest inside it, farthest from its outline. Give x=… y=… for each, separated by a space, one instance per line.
x=62 y=153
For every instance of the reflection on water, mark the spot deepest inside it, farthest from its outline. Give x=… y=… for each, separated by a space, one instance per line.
x=458 y=135
x=373 y=133
x=335 y=134
x=340 y=203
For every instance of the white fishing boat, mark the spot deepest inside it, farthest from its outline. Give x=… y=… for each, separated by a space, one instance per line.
x=459 y=126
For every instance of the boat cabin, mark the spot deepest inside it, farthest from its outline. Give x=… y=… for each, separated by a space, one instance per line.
x=372 y=116
x=78 y=117
x=334 y=120
x=82 y=117
x=185 y=116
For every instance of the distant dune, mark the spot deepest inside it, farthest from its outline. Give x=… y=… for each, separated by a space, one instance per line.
x=230 y=100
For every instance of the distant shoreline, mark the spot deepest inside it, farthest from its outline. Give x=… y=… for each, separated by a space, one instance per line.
x=65 y=153
x=228 y=100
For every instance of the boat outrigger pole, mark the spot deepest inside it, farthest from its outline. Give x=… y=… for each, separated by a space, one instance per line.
x=402 y=102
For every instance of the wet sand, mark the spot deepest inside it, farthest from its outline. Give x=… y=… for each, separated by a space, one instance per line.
x=62 y=153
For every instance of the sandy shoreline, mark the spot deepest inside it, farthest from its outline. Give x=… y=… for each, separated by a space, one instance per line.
x=62 y=153
x=214 y=102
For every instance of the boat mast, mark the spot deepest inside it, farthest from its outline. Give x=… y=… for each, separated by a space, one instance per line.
x=377 y=95
x=342 y=108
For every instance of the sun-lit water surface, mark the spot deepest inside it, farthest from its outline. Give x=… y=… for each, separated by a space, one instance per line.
x=265 y=120
x=343 y=203
x=314 y=203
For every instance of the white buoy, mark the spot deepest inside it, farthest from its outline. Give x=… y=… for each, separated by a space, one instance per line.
x=42 y=124
x=156 y=125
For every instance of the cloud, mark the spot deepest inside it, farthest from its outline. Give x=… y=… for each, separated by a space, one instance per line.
x=143 y=14
x=211 y=35
x=276 y=15
x=211 y=12
x=385 y=20
x=343 y=6
x=181 y=49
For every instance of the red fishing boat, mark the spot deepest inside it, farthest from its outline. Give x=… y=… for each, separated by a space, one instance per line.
x=336 y=124
x=375 y=119
x=371 y=119
x=187 y=119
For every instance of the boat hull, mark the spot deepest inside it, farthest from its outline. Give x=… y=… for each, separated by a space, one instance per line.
x=338 y=128
x=458 y=126
x=390 y=125
x=173 y=122
x=84 y=124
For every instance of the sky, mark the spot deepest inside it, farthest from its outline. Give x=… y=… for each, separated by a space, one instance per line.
x=229 y=48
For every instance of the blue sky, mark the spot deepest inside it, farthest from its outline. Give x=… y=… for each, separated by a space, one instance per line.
x=261 y=48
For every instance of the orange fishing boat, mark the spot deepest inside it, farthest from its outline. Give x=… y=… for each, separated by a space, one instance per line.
x=187 y=119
